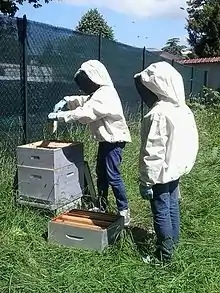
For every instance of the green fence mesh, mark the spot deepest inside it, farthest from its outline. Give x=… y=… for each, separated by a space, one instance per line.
x=50 y=61
x=11 y=100
x=54 y=55
x=123 y=62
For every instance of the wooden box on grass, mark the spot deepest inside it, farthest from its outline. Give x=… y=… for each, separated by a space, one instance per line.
x=85 y=229
x=50 y=174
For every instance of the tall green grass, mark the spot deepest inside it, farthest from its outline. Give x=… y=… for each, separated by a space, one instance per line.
x=29 y=264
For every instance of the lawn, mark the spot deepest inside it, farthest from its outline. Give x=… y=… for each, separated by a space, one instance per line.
x=29 y=264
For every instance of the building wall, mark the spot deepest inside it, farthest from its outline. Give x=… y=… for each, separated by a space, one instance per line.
x=213 y=73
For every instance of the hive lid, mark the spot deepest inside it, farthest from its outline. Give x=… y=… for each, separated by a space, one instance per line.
x=50 y=144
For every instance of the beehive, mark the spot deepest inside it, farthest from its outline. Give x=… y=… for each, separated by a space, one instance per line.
x=50 y=173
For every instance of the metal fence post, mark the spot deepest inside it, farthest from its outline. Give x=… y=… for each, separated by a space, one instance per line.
x=143 y=67
x=22 y=33
x=191 y=80
x=100 y=47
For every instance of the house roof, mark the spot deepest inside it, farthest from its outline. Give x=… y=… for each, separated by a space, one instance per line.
x=165 y=55
x=200 y=60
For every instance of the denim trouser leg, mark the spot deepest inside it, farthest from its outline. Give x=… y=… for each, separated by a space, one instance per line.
x=102 y=179
x=108 y=173
x=175 y=211
x=165 y=209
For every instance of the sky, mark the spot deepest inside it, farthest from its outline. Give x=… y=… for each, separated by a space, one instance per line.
x=138 y=23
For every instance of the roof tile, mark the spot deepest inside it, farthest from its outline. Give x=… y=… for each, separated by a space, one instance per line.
x=200 y=60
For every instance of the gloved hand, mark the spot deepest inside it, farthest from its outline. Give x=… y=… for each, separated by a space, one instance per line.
x=146 y=192
x=53 y=116
x=59 y=106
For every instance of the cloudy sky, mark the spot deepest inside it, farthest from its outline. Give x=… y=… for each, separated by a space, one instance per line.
x=135 y=22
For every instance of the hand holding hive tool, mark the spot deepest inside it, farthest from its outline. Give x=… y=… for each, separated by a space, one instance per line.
x=53 y=123
x=53 y=117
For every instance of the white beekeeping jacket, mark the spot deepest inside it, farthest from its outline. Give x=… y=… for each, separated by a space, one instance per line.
x=169 y=136
x=102 y=110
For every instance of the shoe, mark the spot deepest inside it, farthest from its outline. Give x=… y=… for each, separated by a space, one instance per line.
x=127 y=217
x=147 y=259
x=96 y=210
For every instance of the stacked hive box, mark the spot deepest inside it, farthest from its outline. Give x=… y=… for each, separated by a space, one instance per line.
x=50 y=174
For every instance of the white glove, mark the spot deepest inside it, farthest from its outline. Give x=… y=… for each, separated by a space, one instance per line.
x=146 y=192
x=53 y=116
x=59 y=106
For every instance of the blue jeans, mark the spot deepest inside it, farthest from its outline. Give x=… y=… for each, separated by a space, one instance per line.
x=166 y=216
x=108 y=173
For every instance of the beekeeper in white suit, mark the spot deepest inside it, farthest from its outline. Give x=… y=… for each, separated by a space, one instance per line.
x=101 y=108
x=169 y=146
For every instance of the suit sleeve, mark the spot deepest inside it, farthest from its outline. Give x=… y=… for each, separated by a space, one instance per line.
x=97 y=107
x=153 y=149
x=74 y=102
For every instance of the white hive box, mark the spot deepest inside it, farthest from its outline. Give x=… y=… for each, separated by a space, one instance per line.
x=85 y=230
x=50 y=174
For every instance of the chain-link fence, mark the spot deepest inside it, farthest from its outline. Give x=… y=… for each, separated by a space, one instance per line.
x=37 y=66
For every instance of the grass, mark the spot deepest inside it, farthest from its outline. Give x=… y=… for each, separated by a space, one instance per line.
x=29 y=264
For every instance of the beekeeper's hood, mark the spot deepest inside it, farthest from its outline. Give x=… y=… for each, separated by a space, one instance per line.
x=164 y=81
x=96 y=72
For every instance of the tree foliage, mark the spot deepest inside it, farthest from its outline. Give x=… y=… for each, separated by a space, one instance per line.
x=10 y=7
x=173 y=47
x=203 y=25
x=93 y=23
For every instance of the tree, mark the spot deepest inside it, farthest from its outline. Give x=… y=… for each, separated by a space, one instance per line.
x=203 y=25
x=93 y=23
x=10 y=7
x=173 y=47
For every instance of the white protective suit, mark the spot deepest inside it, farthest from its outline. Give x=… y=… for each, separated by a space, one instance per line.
x=169 y=136
x=102 y=110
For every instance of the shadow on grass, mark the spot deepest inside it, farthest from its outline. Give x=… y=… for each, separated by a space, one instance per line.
x=143 y=239
x=45 y=236
x=15 y=188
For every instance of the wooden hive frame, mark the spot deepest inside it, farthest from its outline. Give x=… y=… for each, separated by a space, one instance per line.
x=86 y=219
